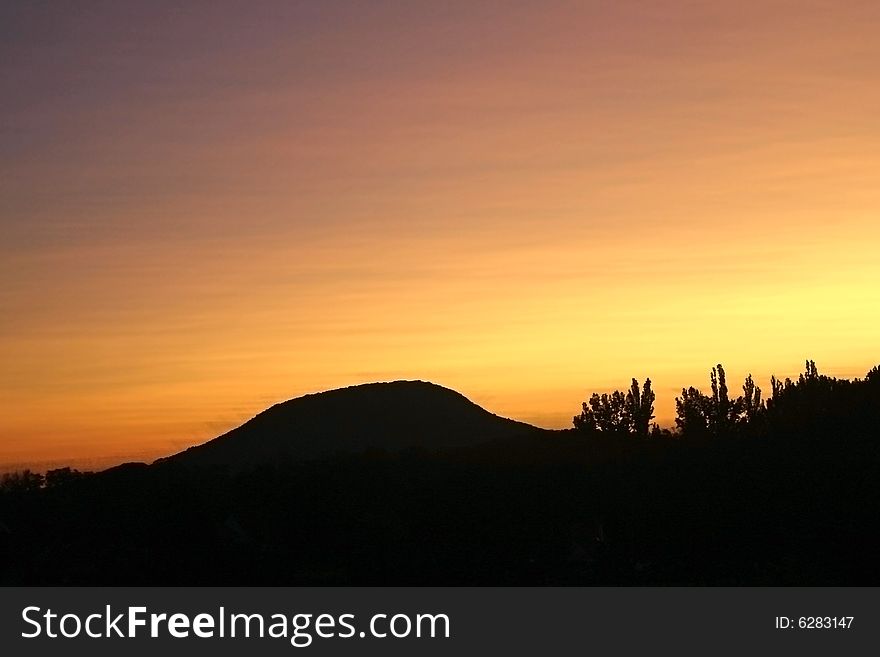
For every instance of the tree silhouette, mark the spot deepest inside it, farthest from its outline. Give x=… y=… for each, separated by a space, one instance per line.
x=723 y=412
x=61 y=477
x=692 y=412
x=618 y=412
x=699 y=415
x=751 y=399
x=640 y=407
x=605 y=413
x=21 y=482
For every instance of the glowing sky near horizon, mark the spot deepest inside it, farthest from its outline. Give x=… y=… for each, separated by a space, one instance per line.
x=209 y=207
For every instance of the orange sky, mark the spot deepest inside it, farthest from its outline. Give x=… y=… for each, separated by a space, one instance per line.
x=210 y=209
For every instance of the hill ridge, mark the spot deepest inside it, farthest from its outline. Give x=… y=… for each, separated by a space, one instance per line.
x=389 y=415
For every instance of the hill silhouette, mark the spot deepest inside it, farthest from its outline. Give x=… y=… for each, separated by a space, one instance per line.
x=389 y=416
x=327 y=490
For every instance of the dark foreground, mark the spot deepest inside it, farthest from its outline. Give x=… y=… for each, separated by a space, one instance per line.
x=792 y=498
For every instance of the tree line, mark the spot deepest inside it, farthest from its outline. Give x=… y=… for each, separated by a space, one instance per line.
x=700 y=416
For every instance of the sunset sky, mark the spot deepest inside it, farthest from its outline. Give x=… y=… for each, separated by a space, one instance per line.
x=209 y=207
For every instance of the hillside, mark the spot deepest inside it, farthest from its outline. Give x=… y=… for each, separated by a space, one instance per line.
x=388 y=416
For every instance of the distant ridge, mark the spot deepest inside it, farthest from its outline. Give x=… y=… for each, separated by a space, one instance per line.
x=390 y=416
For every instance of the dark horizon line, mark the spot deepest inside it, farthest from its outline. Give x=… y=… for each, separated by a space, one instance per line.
x=101 y=463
